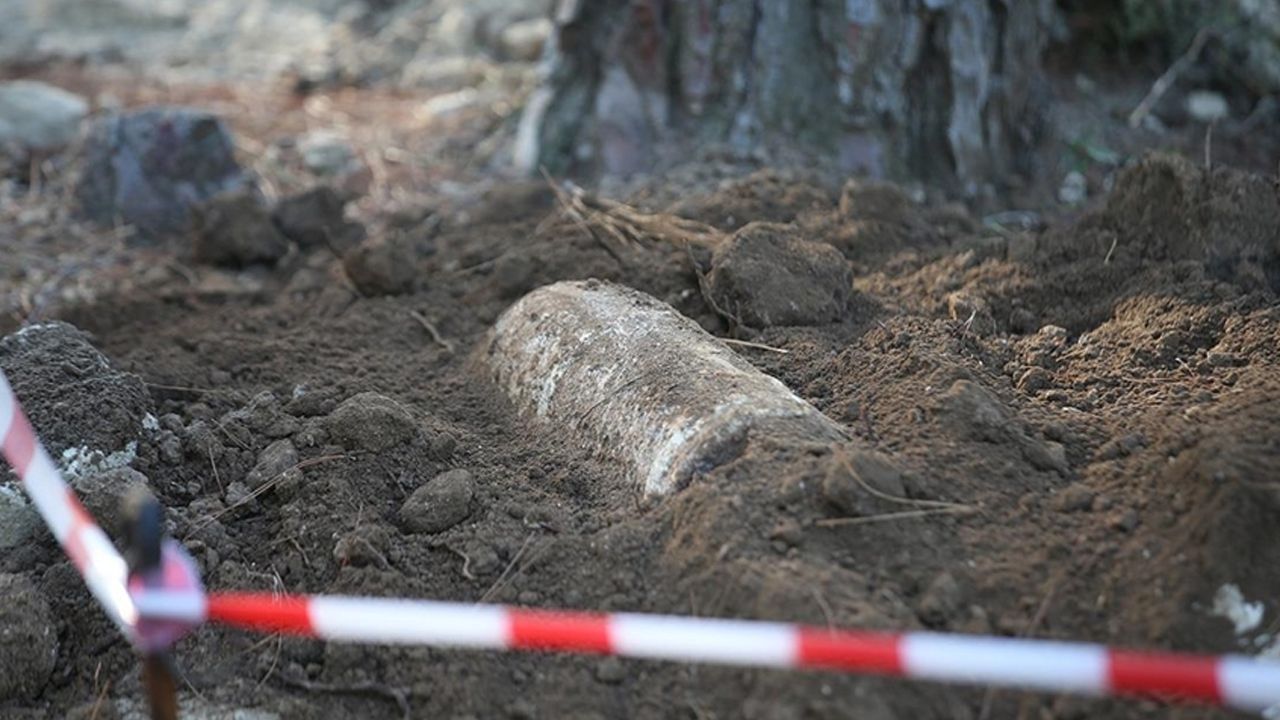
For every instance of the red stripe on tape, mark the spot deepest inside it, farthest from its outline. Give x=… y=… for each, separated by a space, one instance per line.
x=874 y=652
x=540 y=630
x=1155 y=675
x=271 y=613
x=20 y=443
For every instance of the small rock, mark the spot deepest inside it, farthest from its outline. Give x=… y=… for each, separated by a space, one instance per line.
x=381 y=267
x=37 y=116
x=611 y=671
x=152 y=167
x=1035 y=380
x=1022 y=321
x=523 y=41
x=364 y=546
x=444 y=501
x=370 y=421
x=1206 y=106
x=765 y=275
x=1045 y=455
x=234 y=229
x=29 y=640
x=239 y=495
x=327 y=153
x=308 y=402
x=442 y=445
x=265 y=416
x=942 y=600
x=1222 y=359
x=1122 y=446
x=1074 y=188
x=788 y=531
x=104 y=494
x=316 y=218
x=19 y=521
x=273 y=462
x=1075 y=497
x=1125 y=521
x=515 y=274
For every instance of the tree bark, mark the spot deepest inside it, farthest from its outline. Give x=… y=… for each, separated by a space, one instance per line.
x=945 y=90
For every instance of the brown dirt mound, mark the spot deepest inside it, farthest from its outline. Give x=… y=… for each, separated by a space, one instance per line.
x=1104 y=419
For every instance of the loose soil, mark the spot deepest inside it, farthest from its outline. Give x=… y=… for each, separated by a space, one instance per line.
x=1103 y=397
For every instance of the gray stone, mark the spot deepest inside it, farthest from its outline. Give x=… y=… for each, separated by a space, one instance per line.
x=370 y=421
x=441 y=503
x=273 y=463
x=28 y=639
x=234 y=229
x=150 y=168
x=38 y=116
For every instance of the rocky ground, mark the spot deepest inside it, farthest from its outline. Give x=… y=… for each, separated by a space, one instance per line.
x=1063 y=417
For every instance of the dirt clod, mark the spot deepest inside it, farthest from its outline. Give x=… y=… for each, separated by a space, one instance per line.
x=316 y=218
x=73 y=394
x=444 y=501
x=28 y=639
x=104 y=495
x=765 y=275
x=234 y=229
x=273 y=463
x=381 y=267
x=1076 y=497
x=370 y=421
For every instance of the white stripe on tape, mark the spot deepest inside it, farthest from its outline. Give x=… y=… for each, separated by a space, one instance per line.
x=184 y=605
x=1248 y=683
x=404 y=621
x=6 y=406
x=733 y=642
x=49 y=493
x=1045 y=665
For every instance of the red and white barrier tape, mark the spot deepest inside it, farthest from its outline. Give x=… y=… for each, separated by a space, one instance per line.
x=154 y=611
x=104 y=571
x=1235 y=681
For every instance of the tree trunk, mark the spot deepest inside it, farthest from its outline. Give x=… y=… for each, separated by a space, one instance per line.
x=945 y=90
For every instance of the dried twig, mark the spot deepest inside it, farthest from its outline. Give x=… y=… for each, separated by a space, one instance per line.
x=435 y=334
x=1170 y=76
x=755 y=345
x=925 y=508
x=399 y=697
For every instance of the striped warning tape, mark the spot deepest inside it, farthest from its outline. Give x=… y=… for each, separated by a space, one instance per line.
x=1235 y=681
x=155 y=611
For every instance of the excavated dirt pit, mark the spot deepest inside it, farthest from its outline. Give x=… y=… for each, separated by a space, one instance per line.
x=1100 y=402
